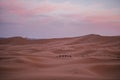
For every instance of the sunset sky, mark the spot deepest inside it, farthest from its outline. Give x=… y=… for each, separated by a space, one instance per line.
x=59 y=18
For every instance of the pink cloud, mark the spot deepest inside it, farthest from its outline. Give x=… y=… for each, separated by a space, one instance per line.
x=19 y=8
x=14 y=7
x=68 y=11
x=42 y=9
x=104 y=20
x=49 y=7
x=97 y=20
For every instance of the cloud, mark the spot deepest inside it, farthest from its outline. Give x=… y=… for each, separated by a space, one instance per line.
x=44 y=8
x=48 y=7
x=14 y=7
x=64 y=12
x=104 y=20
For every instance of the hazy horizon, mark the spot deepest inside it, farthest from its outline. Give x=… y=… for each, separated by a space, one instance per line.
x=60 y=37
x=59 y=18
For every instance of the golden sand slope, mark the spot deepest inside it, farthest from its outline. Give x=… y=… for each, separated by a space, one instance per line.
x=90 y=57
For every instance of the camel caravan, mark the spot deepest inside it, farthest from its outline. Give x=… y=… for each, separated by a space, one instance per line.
x=64 y=56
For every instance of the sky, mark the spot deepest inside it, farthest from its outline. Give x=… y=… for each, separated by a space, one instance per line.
x=59 y=18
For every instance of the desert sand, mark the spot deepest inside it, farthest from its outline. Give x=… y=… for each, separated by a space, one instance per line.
x=90 y=57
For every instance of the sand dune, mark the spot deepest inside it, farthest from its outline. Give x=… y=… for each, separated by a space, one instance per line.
x=90 y=57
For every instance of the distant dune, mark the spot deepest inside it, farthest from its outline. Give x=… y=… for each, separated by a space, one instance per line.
x=90 y=57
